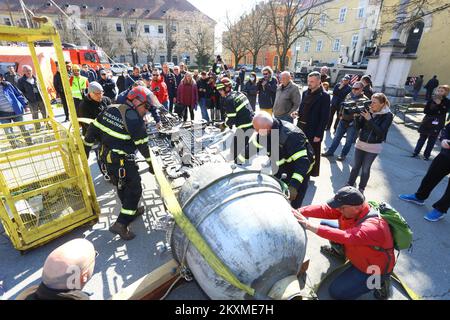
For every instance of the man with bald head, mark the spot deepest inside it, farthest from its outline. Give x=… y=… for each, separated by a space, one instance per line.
x=66 y=271
x=287 y=99
x=289 y=150
x=324 y=77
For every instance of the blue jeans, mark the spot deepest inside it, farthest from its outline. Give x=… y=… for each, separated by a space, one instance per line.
x=202 y=102
x=351 y=284
x=286 y=117
x=340 y=131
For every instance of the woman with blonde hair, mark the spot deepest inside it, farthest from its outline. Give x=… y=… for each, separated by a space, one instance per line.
x=374 y=124
x=187 y=97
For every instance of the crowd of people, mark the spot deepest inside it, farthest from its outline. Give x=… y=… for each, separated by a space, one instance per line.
x=299 y=119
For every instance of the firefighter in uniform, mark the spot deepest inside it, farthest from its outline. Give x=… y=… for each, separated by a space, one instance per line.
x=295 y=154
x=121 y=131
x=238 y=111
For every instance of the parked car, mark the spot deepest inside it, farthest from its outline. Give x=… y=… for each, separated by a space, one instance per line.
x=170 y=65
x=157 y=66
x=117 y=68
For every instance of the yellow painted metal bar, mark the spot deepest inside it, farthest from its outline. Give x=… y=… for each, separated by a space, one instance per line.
x=14 y=124
x=40 y=77
x=28 y=155
x=40 y=147
x=73 y=119
x=45 y=31
x=191 y=232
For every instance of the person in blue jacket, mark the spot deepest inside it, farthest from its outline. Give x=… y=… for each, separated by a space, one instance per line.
x=12 y=107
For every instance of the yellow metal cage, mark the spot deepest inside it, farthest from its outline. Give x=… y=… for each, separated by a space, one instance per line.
x=46 y=188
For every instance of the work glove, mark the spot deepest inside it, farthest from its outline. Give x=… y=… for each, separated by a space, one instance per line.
x=222 y=127
x=292 y=193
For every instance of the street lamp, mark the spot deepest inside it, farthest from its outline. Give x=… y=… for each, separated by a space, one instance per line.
x=134 y=56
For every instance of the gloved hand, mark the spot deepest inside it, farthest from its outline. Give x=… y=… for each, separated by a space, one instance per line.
x=150 y=168
x=292 y=193
x=222 y=126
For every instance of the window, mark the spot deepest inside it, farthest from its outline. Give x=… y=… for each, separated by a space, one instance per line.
x=361 y=13
x=146 y=28
x=88 y=56
x=319 y=45
x=162 y=59
x=175 y=60
x=354 y=40
x=342 y=14
x=118 y=27
x=323 y=19
x=58 y=23
x=23 y=23
x=132 y=28
x=160 y=29
x=7 y=21
x=174 y=28
x=307 y=45
x=89 y=26
x=187 y=31
x=337 y=45
x=275 y=62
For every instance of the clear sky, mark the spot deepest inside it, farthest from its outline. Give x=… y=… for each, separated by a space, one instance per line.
x=218 y=9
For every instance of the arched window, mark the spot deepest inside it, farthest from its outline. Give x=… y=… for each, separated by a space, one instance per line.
x=414 y=35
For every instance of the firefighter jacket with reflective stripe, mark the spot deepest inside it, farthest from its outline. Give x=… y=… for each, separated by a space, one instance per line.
x=123 y=133
x=295 y=154
x=238 y=110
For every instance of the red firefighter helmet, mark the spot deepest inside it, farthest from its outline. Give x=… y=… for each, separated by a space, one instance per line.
x=224 y=82
x=142 y=94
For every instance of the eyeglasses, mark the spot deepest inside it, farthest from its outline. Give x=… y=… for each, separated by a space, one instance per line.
x=155 y=75
x=265 y=74
x=356 y=88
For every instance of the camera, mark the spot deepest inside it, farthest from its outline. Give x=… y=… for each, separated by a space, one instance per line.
x=356 y=107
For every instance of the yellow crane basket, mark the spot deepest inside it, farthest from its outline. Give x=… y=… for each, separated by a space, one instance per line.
x=46 y=188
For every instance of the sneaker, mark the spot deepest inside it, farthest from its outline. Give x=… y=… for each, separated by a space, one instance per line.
x=434 y=215
x=333 y=250
x=412 y=198
x=326 y=154
x=122 y=230
x=341 y=158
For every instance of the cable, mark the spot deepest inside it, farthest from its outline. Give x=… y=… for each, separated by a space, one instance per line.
x=170 y=288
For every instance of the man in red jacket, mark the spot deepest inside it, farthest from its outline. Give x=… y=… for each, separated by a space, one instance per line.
x=363 y=240
x=159 y=88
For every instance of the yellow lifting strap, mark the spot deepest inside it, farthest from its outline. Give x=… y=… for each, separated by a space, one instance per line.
x=191 y=232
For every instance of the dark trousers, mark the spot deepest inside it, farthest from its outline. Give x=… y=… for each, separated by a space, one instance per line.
x=64 y=104
x=428 y=148
x=297 y=203
x=130 y=192
x=35 y=107
x=439 y=169
x=182 y=112
x=316 y=167
x=362 y=162
x=333 y=110
x=429 y=94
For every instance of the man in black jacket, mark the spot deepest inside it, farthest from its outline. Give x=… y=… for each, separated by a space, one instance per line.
x=290 y=152
x=430 y=86
x=267 y=90
x=340 y=92
x=57 y=84
x=93 y=103
x=109 y=87
x=438 y=170
x=172 y=85
x=11 y=76
x=313 y=116
x=66 y=271
x=28 y=84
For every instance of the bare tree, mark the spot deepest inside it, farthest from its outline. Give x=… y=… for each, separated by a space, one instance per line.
x=150 y=46
x=411 y=12
x=99 y=32
x=292 y=20
x=132 y=36
x=233 y=39
x=170 y=24
x=197 y=38
x=67 y=30
x=257 y=31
